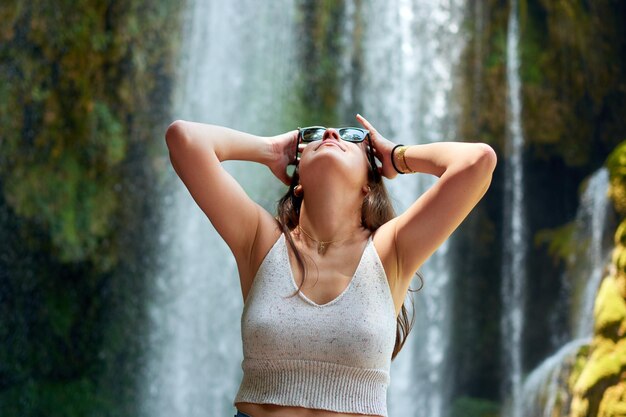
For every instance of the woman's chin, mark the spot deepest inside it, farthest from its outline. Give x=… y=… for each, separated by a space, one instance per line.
x=333 y=170
x=327 y=164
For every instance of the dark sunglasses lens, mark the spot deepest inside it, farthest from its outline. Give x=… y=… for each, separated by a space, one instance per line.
x=352 y=135
x=313 y=134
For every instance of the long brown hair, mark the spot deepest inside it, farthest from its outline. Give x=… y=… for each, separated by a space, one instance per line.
x=375 y=211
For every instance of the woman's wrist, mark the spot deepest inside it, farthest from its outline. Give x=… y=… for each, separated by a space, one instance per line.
x=279 y=147
x=398 y=160
x=269 y=150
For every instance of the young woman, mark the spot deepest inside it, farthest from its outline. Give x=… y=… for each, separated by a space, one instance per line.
x=324 y=282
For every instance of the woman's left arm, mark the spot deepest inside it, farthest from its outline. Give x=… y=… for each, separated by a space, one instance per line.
x=464 y=171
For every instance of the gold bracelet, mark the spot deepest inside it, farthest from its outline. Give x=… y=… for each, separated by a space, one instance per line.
x=401 y=160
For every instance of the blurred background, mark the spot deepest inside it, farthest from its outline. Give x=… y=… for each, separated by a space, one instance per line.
x=117 y=297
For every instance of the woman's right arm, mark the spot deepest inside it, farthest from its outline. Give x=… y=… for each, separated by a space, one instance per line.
x=197 y=150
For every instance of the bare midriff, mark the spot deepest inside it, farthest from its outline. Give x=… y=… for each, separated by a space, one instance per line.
x=273 y=410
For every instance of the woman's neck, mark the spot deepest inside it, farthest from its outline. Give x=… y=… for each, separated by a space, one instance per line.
x=326 y=216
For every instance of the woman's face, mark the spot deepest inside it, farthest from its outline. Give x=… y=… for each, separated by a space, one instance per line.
x=346 y=162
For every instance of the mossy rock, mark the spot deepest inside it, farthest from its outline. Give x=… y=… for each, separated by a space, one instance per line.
x=605 y=367
x=620 y=235
x=613 y=402
x=607 y=361
x=582 y=357
x=610 y=310
x=616 y=164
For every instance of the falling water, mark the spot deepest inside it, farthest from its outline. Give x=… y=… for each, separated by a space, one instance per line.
x=513 y=262
x=406 y=93
x=586 y=265
x=544 y=385
x=592 y=220
x=233 y=76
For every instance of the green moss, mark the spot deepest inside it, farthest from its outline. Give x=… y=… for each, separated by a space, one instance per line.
x=55 y=399
x=605 y=363
x=572 y=66
x=318 y=86
x=474 y=407
x=609 y=309
x=613 y=402
x=561 y=244
x=66 y=100
x=616 y=164
x=84 y=89
x=581 y=359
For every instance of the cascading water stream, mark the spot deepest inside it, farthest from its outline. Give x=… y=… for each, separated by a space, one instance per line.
x=592 y=217
x=406 y=93
x=585 y=272
x=514 y=256
x=229 y=75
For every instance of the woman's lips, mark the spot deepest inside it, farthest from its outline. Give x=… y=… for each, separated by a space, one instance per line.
x=330 y=143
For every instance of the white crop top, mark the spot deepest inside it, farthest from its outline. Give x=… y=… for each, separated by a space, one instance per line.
x=335 y=356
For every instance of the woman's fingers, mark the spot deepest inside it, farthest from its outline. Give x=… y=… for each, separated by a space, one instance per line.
x=365 y=123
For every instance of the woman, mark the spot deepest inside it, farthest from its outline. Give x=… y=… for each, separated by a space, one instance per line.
x=335 y=244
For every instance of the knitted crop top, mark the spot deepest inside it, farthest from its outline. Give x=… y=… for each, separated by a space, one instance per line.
x=335 y=356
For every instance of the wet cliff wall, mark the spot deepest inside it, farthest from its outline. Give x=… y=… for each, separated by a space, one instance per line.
x=84 y=99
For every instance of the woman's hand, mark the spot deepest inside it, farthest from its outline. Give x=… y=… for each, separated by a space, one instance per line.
x=382 y=149
x=283 y=150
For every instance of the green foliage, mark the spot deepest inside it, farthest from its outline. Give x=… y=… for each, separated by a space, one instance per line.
x=574 y=78
x=613 y=402
x=616 y=164
x=74 y=75
x=84 y=86
x=573 y=75
x=561 y=244
x=319 y=55
x=605 y=363
x=610 y=310
x=55 y=399
x=597 y=379
x=483 y=85
x=474 y=407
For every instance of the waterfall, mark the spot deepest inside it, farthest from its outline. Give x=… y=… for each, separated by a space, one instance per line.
x=543 y=386
x=514 y=256
x=408 y=57
x=591 y=221
x=235 y=70
x=592 y=238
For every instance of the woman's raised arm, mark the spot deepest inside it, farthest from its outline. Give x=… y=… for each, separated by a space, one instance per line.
x=464 y=171
x=196 y=152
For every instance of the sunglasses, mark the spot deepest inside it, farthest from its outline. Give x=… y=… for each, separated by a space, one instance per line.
x=349 y=134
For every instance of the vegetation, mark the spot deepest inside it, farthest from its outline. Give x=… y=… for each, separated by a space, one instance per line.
x=84 y=91
x=598 y=381
x=573 y=73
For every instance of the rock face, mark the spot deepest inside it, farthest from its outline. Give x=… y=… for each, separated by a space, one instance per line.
x=597 y=382
x=85 y=96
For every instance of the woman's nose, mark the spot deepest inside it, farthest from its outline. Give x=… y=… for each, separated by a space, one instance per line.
x=331 y=133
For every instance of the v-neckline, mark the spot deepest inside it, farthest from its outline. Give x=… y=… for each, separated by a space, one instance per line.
x=334 y=300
